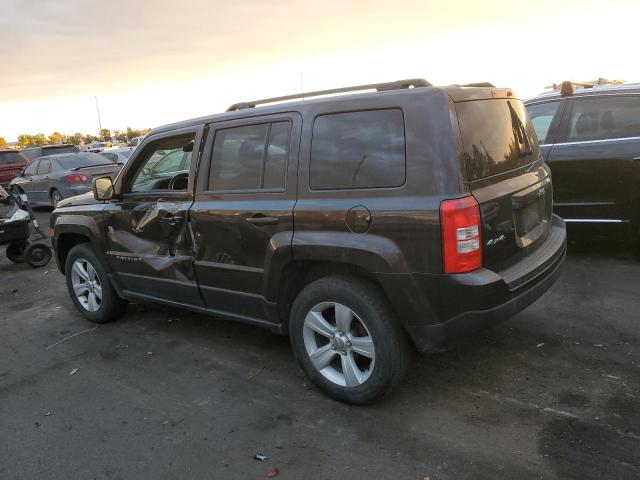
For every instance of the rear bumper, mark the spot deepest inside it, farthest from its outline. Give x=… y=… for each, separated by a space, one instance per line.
x=437 y=308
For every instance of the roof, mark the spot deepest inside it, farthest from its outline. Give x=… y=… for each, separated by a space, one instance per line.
x=593 y=91
x=296 y=102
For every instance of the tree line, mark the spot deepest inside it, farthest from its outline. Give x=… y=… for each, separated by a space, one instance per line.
x=123 y=136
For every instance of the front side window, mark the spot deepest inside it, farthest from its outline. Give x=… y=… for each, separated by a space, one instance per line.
x=358 y=150
x=32 y=169
x=250 y=158
x=603 y=118
x=164 y=165
x=541 y=116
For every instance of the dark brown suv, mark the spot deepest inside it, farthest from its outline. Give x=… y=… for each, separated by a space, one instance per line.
x=358 y=224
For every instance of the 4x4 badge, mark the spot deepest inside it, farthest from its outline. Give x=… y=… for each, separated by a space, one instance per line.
x=541 y=192
x=493 y=241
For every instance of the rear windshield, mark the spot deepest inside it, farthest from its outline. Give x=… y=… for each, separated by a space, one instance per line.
x=497 y=136
x=82 y=160
x=53 y=150
x=11 y=157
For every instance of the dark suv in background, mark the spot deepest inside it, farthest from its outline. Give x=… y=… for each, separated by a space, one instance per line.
x=34 y=152
x=590 y=139
x=358 y=224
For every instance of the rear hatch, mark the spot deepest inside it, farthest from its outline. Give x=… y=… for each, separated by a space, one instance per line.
x=506 y=175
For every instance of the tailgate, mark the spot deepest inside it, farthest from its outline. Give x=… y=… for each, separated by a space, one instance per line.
x=507 y=177
x=9 y=171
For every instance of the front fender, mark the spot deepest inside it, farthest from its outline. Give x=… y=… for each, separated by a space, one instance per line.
x=87 y=226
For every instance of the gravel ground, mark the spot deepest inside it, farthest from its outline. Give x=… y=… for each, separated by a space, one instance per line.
x=163 y=394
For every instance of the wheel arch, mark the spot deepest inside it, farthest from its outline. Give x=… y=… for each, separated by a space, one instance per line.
x=71 y=230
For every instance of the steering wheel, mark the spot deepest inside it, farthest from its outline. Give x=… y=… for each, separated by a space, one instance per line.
x=179 y=182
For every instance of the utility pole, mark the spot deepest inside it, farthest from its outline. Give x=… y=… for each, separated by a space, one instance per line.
x=99 y=121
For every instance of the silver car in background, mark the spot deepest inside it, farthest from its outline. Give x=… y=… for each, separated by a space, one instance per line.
x=118 y=155
x=56 y=177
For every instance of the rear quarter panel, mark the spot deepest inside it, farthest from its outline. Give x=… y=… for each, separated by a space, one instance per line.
x=404 y=235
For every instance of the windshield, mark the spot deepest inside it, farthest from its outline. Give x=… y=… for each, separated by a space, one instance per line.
x=11 y=157
x=81 y=160
x=497 y=136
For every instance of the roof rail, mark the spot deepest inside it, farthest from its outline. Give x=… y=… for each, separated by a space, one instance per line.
x=480 y=84
x=380 y=87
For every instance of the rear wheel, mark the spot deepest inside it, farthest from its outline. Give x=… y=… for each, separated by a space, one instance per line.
x=347 y=340
x=56 y=197
x=90 y=288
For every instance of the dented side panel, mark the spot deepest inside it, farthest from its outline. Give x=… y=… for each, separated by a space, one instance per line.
x=150 y=245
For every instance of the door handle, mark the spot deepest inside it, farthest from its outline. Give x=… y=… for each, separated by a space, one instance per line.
x=636 y=159
x=260 y=220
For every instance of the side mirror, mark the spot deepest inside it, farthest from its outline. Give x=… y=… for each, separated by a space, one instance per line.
x=103 y=188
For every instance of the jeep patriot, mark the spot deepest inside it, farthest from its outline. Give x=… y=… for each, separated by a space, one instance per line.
x=363 y=224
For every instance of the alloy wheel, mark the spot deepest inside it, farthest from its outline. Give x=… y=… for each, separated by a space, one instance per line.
x=339 y=344
x=86 y=285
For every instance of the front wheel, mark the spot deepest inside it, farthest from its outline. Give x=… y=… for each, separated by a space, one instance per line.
x=90 y=288
x=347 y=340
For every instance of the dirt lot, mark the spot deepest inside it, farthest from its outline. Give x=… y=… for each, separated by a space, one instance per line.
x=553 y=393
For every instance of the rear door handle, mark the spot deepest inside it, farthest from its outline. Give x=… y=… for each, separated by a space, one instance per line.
x=636 y=159
x=262 y=220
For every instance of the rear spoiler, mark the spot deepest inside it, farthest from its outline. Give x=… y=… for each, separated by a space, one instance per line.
x=75 y=169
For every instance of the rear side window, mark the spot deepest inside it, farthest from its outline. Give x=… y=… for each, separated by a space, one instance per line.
x=604 y=118
x=358 y=150
x=44 y=167
x=250 y=158
x=497 y=136
x=541 y=116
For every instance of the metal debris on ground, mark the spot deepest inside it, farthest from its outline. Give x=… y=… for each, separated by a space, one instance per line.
x=74 y=371
x=71 y=336
x=47 y=414
x=539 y=345
x=260 y=457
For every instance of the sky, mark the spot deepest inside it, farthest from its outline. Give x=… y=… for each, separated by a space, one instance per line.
x=152 y=62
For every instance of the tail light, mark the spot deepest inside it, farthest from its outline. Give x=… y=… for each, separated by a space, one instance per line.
x=77 y=178
x=461 y=235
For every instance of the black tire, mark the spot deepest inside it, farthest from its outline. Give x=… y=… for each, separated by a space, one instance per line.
x=56 y=197
x=368 y=303
x=111 y=306
x=15 y=252
x=37 y=255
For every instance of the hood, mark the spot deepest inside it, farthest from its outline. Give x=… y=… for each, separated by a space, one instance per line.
x=84 y=199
